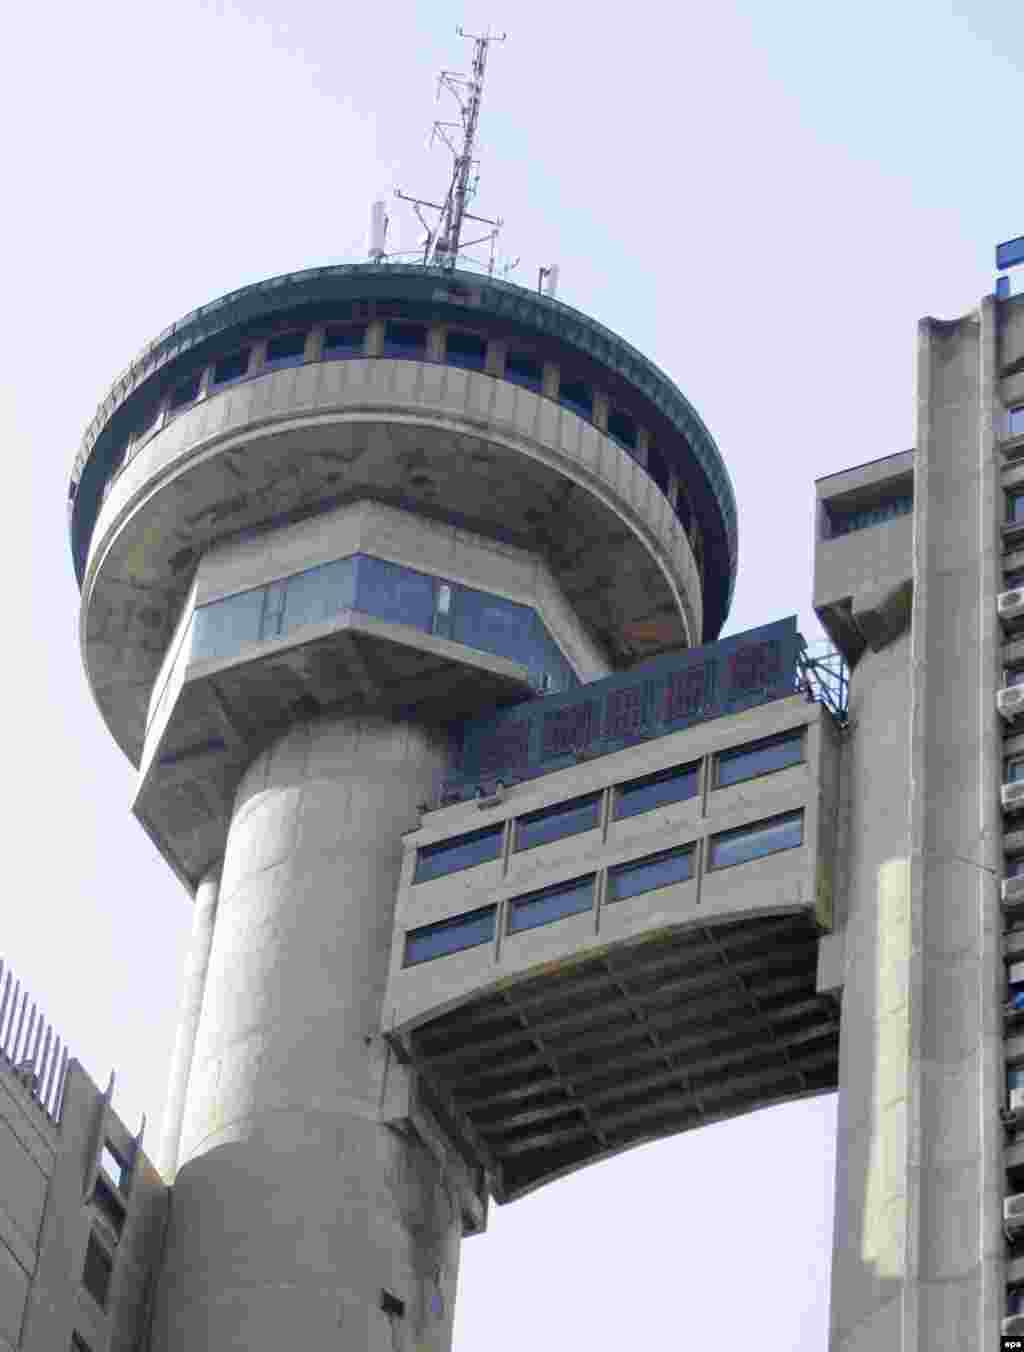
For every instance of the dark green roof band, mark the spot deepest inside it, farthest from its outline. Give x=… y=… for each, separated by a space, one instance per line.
x=497 y=299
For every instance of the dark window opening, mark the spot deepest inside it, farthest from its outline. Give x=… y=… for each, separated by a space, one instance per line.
x=231 y=368
x=657 y=468
x=645 y=875
x=551 y=904
x=97 y=1271
x=1013 y=580
x=110 y=1208
x=1014 y=866
x=886 y=503
x=405 y=340
x=1014 y=676
x=683 y=512
x=346 y=341
x=288 y=349
x=667 y=786
x=449 y=856
x=622 y=428
x=554 y=823
x=185 y=393
x=578 y=396
x=756 y=841
x=1014 y=508
x=522 y=369
x=774 y=753
x=78 y=1343
x=466 y=350
x=147 y=420
x=450 y=936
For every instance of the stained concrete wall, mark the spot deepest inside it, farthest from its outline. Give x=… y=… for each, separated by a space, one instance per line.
x=295 y=1203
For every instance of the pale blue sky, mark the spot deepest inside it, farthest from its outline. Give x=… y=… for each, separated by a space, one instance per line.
x=763 y=197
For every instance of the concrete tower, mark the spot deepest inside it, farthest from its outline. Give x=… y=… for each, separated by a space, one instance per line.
x=314 y=523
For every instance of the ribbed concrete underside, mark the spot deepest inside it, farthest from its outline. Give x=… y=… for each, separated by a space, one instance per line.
x=563 y=1068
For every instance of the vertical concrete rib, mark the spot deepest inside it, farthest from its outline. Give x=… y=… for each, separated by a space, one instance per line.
x=295 y=1206
x=197 y=962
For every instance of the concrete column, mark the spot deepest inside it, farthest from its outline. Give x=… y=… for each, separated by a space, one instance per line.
x=197 y=961
x=296 y=1205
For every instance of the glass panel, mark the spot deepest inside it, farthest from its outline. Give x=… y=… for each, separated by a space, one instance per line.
x=522 y=369
x=185 y=393
x=114 y=1166
x=1015 y=1078
x=747 y=761
x=582 y=814
x=394 y=593
x=1014 y=865
x=450 y=936
x=405 y=340
x=288 y=349
x=466 y=350
x=231 y=368
x=622 y=429
x=223 y=626
x=1015 y=507
x=844 y=520
x=1016 y=421
x=318 y=594
x=345 y=342
x=661 y=870
x=578 y=396
x=492 y=624
x=148 y=419
x=751 y=842
x=542 y=908
x=1013 y=580
x=1014 y=676
x=273 y=608
x=669 y=786
x=1014 y=772
x=448 y=856
x=657 y=468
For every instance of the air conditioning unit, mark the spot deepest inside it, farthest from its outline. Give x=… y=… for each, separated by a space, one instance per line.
x=1013 y=1214
x=1010 y=604
x=1010 y=702
x=1013 y=896
x=1013 y=795
x=1013 y=1324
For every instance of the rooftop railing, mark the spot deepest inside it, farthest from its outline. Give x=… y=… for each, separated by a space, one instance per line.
x=29 y=1047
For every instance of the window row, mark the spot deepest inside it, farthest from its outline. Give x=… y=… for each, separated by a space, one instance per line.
x=416 y=342
x=1015 y=421
x=474 y=928
x=841 y=521
x=629 y=799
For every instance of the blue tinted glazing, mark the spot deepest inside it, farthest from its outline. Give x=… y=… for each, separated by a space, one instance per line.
x=405 y=340
x=542 y=908
x=185 y=393
x=1014 y=772
x=622 y=428
x=1013 y=580
x=318 y=595
x=465 y=350
x=1015 y=1078
x=522 y=369
x=223 y=627
x=857 y=518
x=657 y=468
x=578 y=396
x=492 y=624
x=344 y=341
x=1016 y=421
x=1014 y=507
x=288 y=349
x=1014 y=866
x=747 y=761
x=450 y=936
x=669 y=786
x=552 y=823
x=661 y=870
x=393 y=593
x=449 y=856
x=230 y=368
x=752 y=842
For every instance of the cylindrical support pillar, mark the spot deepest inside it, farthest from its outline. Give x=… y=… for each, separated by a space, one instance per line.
x=197 y=961
x=299 y=1218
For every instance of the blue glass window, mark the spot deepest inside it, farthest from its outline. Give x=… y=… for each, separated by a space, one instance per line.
x=644 y=875
x=393 y=593
x=344 y=341
x=1014 y=676
x=148 y=419
x=1015 y=421
x=450 y=856
x=760 y=758
x=522 y=369
x=622 y=428
x=1015 y=1078
x=405 y=340
x=844 y=520
x=450 y=936
x=667 y=786
x=222 y=627
x=683 y=511
x=287 y=349
x=753 y=842
x=318 y=594
x=187 y=392
x=1014 y=866
x=1013 y=580
x=578 y=396
x=551 y=904
x=467 y=350
x=554 y=823
x=1014 y=771
x=492 y=624
x=230 y=368
x=1014 y=508
x=657 y=468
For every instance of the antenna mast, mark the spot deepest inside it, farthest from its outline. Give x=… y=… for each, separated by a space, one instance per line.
x=443 y=243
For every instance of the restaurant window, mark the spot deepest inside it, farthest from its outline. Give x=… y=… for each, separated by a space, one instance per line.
x=467 y=350
x=577 y=396
x=523 y=369
x=186 y=392
x=230 y=368
x=287 y=349
x=405 y=340
x=344 y=341
x=622 y=428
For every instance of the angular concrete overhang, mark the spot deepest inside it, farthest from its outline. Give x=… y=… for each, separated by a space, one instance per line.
x=454 y=446
x=555 y=1047
x=863 y=579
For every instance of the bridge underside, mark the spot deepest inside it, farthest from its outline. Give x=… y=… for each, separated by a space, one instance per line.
x=587 y=1059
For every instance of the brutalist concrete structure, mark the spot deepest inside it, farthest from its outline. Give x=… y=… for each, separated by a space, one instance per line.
x=402 y=587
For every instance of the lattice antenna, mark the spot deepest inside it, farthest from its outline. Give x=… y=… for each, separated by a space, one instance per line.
x=442 y=241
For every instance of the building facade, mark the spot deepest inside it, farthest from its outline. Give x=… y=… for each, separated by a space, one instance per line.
x=403 y=588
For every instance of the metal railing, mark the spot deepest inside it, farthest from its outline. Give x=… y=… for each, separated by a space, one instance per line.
x=824 y=676
x=29 y=1047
